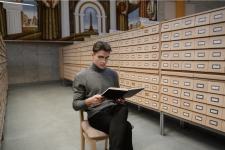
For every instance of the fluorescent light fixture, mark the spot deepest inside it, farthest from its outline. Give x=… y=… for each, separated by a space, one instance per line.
x=18 y=3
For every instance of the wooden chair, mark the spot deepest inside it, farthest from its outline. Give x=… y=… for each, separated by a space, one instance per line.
x=90 y=134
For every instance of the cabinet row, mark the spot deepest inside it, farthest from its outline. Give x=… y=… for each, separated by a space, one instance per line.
x=215 y=123
x=197 y=66
x=143 y=77
x=206 y=54
x=192 y=94
x=147 y=86
x=198 y=43
x=194 y=20
x=133 y=53
x=202 y=31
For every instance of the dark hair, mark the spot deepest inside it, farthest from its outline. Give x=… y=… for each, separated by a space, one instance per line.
x=100 y=45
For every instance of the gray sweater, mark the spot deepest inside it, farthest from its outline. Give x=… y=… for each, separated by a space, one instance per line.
x=92 y=81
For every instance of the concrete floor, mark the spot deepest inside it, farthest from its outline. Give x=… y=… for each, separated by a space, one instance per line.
x=40 y=117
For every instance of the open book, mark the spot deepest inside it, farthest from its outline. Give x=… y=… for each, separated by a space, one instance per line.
x=113 y=93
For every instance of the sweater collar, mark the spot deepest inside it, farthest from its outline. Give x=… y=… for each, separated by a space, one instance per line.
x=96 y=68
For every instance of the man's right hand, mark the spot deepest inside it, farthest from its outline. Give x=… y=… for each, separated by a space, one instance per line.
x=95 y=100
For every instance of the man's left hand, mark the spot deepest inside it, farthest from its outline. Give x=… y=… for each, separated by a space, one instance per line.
x=120 y=100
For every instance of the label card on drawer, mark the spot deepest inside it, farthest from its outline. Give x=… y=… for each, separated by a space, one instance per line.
x=175 y=82
x=217 y=29
x=199 y=107
x=216 y=54
x=217 y=41
x=186 y=104
x=202 y=31
x=200 y=85
x=187 y=55
x=217 y=88
x=215 y=123
x=198 y=118
x=176 y=35
x=187 y=83
x=200 y=43
x=218 y=16
x=175 y=111
x=214 y=99
x=213 y=111
x=198 y=96
x=203 y=19
x=165 y=27
x=186 y=65
x=165 y=107
x=165 y=98
x=186 y=114
x=188 y=22
x=216 y=66
x=202 y=54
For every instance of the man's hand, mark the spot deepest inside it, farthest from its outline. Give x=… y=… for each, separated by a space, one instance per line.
x=119 y=100
x=95 y=100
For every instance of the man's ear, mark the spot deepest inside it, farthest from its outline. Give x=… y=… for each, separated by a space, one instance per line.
x=92 y=54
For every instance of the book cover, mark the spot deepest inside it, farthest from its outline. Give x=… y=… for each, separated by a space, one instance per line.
x=114 y=93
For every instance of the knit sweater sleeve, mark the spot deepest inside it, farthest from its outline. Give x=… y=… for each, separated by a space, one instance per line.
x=79 y=95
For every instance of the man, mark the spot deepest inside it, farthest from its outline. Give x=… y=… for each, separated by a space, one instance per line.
x=109 y=116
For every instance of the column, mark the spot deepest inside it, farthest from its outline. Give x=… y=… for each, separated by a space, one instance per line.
x=82 y=22
x=13 y=17
x=65 y=22
x=104 y=24
x=113 y=14
x=77 y=22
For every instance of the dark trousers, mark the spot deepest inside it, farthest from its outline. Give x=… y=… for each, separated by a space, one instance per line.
x=113 y=121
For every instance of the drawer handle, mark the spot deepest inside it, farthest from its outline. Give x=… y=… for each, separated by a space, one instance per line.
x=218 y=16
x=202 y=19
x=214 y=111
x=215 y=123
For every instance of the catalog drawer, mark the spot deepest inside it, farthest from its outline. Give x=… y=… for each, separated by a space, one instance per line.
x=217 y=42
x=176 y=35
x=214 y=111
x=188 y=22
x=176 y=65
x=165 y=55
x=217 y=29
x=216 y=54
x=166 y=27
x=200 y=85
x=187 y=94
x=216 y=100
x=201 y=54
x=166 y=80
x=176 y=25
x=175 y=101
x=199 y=107
x=188 y=44
x=165 y=107
x=176 y=55
x=176 y=45
x=214 y=123
x=186 y=104
x=165 y=99
x=166 y=36
x=188 y=55
x=185 y=114
x=218 y=16
x=201 y=66
x=202 y=43
x=216 y=66
x=165 y=46
x=202 y=19
x=175 y=111
x=188 y=33
x=199 y=118
x=165 y=65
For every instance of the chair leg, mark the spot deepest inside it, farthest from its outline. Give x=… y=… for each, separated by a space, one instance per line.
x=82 y=142
x=93 y=144
x=106 y=144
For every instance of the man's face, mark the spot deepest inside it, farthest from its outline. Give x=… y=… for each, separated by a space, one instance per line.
x=100 y=58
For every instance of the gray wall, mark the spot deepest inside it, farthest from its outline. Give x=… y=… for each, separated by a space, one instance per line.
x=33 y=62
x=200 y=6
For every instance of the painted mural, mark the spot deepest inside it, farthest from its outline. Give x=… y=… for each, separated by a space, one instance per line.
x=44 y=20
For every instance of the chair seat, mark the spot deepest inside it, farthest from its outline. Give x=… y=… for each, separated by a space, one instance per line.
x=92 y=132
